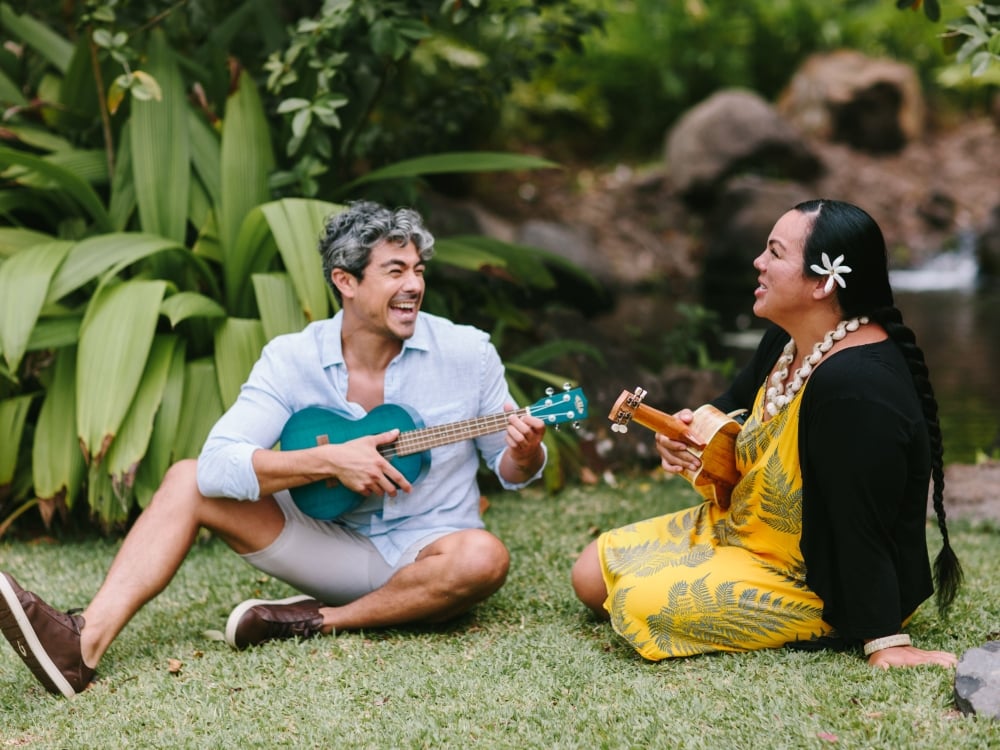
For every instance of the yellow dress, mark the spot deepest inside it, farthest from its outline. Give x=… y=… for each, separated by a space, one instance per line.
x=706 y=579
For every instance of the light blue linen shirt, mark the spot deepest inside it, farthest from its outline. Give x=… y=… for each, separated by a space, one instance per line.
x=446 y=372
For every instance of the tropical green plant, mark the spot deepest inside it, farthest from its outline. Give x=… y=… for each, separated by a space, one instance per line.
x=372 y=82
x=139 y=280
x=656 y=60
x=976 y=38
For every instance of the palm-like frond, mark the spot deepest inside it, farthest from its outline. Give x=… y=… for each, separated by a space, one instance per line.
x=115 y=340
x=161 y=153
x=24 y=285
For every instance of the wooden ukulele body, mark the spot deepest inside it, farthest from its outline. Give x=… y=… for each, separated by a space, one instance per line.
x=714 y=430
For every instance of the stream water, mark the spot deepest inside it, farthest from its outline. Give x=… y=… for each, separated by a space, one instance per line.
x=959 y=334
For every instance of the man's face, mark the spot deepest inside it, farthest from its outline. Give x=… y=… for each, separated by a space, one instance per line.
x=388 y=297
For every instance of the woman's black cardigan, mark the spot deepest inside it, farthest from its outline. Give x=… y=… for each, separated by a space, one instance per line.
x=865 y=459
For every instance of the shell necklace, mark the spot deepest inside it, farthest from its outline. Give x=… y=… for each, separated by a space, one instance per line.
x=778 y=394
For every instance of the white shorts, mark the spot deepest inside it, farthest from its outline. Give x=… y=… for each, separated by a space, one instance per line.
x=327 y=561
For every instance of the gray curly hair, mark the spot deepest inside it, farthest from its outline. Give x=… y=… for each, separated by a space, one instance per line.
x=349 y=236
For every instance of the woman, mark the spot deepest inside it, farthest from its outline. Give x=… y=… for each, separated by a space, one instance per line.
x=823 y=544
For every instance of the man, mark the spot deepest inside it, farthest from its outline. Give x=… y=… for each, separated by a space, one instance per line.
x=408 y=553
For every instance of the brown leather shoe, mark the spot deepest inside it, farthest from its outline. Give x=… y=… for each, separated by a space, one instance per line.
x=47 y=641
x=258 y=620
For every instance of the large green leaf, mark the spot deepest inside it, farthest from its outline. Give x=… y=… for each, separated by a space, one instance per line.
x=524 y=264
x=207 y=244
x=57 y=463
x=123 y=199
x=38 y=36
x=14 y=240
x=18 y=202
x=205 y=155
x=38 y=138
x=79 y=106
x=24 y=283
x=549 y=351
x=201 y=408
x=75 y=187
x=528 y=265
x=55 y=333
x=238 y=343
x=10 y=93
x=13 y=413
x=115 y=340
x=161 y=154
x=105 y=502
x=296 y=225
x=551 y=378
x=92 y=257
x=451 y=163
x=246 y=160
x=160 y=452
x=89 y=165
x=132 y=440
x=279 y=307
x=467 y=255
x=253 y=253
x=184 y=305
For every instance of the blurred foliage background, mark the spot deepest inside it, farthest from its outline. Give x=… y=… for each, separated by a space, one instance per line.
x=166 y=166
x=654 y=61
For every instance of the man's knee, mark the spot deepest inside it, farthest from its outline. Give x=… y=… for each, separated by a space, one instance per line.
x=179 y=485
x=185 y=470
x=481 y=560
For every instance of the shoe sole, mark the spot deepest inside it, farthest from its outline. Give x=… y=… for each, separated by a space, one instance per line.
x=26 y=643
x=237 y=614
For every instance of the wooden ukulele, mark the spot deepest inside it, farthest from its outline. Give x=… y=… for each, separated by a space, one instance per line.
x=711 y=437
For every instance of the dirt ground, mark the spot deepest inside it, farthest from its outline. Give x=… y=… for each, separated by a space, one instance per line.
x=973 y=491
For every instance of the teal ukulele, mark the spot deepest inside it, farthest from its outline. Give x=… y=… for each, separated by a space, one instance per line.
x=410 y=452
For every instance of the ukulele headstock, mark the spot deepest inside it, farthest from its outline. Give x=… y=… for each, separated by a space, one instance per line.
x=621 y=413
x=569 y=405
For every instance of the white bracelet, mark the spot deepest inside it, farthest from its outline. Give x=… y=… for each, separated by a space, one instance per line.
x=900 y=639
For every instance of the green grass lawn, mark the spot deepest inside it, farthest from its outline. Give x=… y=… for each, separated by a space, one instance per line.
x=528 y=669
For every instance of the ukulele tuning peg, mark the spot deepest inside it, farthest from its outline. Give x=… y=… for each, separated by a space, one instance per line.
x=618 y=427
x=567 y=387
x=549 y=391
x=576 y=425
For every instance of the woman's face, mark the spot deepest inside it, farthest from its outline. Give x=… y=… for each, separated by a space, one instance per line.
x=783 y=292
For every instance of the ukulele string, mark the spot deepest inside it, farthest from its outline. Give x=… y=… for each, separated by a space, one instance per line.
x=426 y=438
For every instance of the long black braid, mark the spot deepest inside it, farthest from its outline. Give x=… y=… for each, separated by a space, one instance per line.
x=840 y=228
x=947 y=568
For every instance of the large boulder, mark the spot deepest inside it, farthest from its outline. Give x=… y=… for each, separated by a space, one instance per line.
x=871 y=104
x=738 y=227
x=977 y=681
x=733 y=132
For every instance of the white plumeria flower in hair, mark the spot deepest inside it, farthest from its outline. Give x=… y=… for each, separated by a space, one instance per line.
x=832 y=271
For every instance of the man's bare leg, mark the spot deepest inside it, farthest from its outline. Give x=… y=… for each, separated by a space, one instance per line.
x=449 y=577
x=159 y=541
